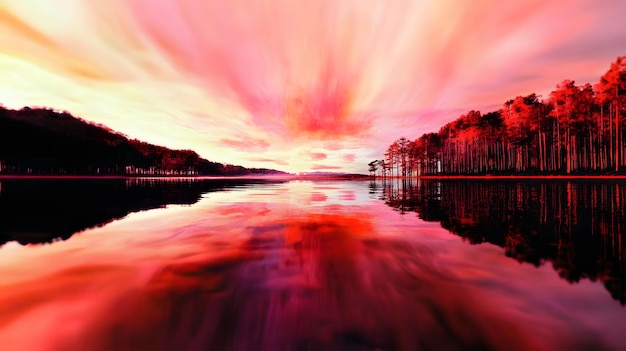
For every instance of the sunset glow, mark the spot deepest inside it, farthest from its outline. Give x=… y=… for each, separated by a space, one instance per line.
x=296 y=86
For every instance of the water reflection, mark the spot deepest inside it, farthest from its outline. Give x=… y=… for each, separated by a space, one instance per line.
x=43 y=210
x=291 y=266
x=577 y=226
x=311 y=282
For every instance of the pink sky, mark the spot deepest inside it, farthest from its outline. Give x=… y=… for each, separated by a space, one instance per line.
x=295 y=85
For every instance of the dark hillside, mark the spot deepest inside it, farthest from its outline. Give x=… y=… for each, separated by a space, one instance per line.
x=46 y=142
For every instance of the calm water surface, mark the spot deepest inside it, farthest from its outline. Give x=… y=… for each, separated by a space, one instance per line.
x=272 y=265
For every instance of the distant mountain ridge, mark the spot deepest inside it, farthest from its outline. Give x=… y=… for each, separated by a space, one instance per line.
x=46 y=142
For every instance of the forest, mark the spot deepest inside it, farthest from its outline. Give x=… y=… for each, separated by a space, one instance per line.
x=47 y=142
x=576 y=130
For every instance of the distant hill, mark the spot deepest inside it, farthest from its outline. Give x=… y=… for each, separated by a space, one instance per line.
x=46 y=142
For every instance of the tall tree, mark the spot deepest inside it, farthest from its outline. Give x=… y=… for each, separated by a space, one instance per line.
x=373 y=166
x=611 y=90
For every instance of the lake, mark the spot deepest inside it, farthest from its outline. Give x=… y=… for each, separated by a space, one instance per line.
x=188 y=264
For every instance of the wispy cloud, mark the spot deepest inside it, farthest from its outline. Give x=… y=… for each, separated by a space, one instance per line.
x=349 y=157
x=269 y=160
x=249 y=145
x=317 y=156
x=325 y=167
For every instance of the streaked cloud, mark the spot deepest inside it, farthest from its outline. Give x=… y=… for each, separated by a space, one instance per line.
x=317 y=156
x=248 y=145
x=274 y=161
x=317 y=167
x=349 y=157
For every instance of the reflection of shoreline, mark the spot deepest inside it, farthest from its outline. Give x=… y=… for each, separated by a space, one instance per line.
x=547 y=177
x=39 y=211
x=322 y=177
x=17 y=177
x=577 y=226
x=246 y=177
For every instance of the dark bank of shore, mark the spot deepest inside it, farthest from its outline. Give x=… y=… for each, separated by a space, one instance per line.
x=244 y=177
x=510 y=177
x=305 y=177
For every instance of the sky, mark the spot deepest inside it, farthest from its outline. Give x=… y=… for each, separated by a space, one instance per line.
x=310 y=85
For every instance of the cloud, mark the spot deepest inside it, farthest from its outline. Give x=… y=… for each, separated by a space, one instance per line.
x=349 y=157
x=248 y=145
x=332 y=145
x=317 y=156
x=269 y=160
x=325 y=167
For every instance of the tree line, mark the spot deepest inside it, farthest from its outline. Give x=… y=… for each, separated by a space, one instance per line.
x=575 y=130
x=39 y=141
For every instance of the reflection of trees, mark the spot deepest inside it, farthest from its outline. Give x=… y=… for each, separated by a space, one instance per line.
x=577 y=226
x=43 y=210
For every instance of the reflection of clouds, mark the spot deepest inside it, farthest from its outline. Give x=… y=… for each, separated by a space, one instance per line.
x=318 y=197
x=347 y=195
x=304 y=193
x=324 y=281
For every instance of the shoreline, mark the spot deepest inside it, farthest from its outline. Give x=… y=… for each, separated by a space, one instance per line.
x=298 y=177
x=511 y=177
x=246 y=177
